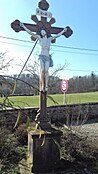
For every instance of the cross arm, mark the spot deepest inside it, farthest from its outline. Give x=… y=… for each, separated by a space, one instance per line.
x=16 y=26
x=56 y=30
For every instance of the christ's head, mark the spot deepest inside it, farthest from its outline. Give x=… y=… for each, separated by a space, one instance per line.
x=43 y=33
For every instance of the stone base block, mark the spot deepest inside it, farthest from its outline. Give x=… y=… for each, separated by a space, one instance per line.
x=43 y=152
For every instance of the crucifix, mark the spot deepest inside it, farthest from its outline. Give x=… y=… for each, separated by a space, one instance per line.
x=42 y=31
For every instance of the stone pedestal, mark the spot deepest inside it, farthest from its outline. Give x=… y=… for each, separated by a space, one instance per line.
x=43 y=152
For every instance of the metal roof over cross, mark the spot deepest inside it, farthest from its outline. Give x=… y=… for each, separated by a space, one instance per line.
x=44 y=23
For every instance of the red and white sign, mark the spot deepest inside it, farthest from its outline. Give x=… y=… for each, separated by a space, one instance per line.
x=64 y=86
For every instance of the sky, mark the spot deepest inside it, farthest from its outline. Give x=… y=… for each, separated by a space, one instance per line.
x=79 y=52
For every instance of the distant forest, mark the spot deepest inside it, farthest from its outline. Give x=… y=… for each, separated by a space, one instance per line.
x=29 y=84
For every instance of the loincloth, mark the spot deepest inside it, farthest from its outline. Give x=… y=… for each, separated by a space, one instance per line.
x=45 y=59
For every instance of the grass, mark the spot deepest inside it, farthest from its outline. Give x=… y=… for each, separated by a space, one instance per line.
x=33 y=101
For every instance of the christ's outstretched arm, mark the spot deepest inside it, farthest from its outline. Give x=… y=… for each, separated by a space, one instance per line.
x=59 y=34
x=29 y=31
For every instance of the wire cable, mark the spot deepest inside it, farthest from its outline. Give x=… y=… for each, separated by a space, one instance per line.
x=62 y=51
x=59 y=46
x=80 y=70
x=27 y=59
x=14 y=88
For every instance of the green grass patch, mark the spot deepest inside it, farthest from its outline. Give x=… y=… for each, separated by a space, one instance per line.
x=76 y=98
x=33 y=101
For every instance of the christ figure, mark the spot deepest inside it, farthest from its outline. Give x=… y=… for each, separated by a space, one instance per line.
x=44 y=56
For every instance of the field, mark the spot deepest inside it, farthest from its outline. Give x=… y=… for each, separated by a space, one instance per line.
x=33 y=101
x=80 y=151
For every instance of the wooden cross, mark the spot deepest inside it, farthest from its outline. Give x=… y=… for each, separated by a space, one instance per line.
x=42 y=24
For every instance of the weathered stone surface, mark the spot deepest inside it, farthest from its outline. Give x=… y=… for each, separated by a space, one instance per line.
x=55 y=113
x=43 y=151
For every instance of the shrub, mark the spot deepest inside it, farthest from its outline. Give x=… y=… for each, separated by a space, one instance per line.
x=77 y=150
x=21 y=135
x=10 y=152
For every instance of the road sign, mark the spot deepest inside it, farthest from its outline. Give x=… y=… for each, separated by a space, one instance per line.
x=64 y=86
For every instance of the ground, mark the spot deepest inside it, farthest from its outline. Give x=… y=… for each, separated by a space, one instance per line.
x=91 y=132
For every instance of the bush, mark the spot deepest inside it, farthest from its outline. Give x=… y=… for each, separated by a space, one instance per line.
x=10 y=152
x=78 y=151
x=21 y=135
